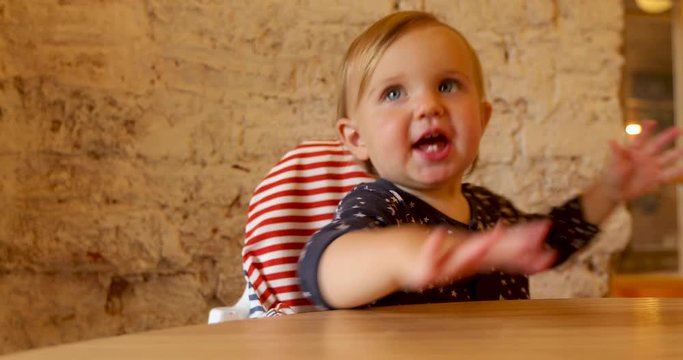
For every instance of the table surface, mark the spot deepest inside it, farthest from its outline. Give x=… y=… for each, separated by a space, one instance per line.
x=605 y=328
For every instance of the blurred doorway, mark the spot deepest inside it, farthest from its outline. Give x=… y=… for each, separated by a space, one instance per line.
x=651 y=73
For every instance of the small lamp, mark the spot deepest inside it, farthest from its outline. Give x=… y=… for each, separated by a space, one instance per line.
x=654 y=6
x=633 y=129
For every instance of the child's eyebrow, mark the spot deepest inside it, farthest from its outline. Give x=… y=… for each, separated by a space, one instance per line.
x=391 y=79
x=383 y=83
x=457 y=73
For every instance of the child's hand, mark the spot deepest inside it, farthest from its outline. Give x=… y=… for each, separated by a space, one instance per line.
x=520 y=250
x=444 y=258
x=644 y=164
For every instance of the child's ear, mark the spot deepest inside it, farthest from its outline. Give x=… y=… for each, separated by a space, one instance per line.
x=350 y=137
x=486 y=110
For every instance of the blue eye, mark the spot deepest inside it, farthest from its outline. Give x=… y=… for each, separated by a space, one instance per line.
x=448 y=86
x=392 y=94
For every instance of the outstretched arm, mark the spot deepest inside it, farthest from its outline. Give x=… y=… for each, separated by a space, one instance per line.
x=366 y=265
x=634 y=170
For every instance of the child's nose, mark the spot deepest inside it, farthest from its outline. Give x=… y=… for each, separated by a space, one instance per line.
x=429 y=105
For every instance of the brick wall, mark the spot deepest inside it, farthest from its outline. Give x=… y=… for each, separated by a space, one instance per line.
x=133 y=131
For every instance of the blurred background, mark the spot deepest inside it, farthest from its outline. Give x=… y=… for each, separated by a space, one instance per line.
x=648 y=93
x=652 y=262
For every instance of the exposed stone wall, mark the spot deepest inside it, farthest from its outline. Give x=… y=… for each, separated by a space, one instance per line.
x=133 y=131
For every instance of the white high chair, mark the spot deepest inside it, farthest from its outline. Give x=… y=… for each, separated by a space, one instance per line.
x=238 y=311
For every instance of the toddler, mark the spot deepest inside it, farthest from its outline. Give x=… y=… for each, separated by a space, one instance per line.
x=412 y=107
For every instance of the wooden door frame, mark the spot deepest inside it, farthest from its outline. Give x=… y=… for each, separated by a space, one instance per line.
x=677 y=46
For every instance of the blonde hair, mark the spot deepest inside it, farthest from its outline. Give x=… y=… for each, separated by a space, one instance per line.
x=366 y=50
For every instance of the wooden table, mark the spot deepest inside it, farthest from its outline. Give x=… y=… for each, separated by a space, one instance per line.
x=609 y=328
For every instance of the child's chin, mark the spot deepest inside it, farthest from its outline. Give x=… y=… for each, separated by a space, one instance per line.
x=438 y=179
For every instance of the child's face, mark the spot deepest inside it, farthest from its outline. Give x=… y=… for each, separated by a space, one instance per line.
x=421 y=116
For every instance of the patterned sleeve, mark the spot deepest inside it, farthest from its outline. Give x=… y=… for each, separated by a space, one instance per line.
x=364 y=207
x=569 y=231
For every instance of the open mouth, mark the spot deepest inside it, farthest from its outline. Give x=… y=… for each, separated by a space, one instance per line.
x=432 y=143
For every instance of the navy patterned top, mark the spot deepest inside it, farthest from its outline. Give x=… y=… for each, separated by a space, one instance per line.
x=381 y=204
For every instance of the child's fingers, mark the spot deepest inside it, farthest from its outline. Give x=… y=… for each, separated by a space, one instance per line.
x=619 y=153
x=542 y=262
x=670 y=157
x=428 y=259
x=648 y=127
x=432 y=246
x=464 y=259
x=532 y=233
x=663 y=139
x=620 y=156
x=670 y=174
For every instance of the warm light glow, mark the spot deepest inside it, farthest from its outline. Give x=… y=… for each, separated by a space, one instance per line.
x=633 y=129
x=654 y=6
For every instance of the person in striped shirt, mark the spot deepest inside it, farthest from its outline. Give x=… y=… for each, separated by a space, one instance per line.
x=413 y=108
